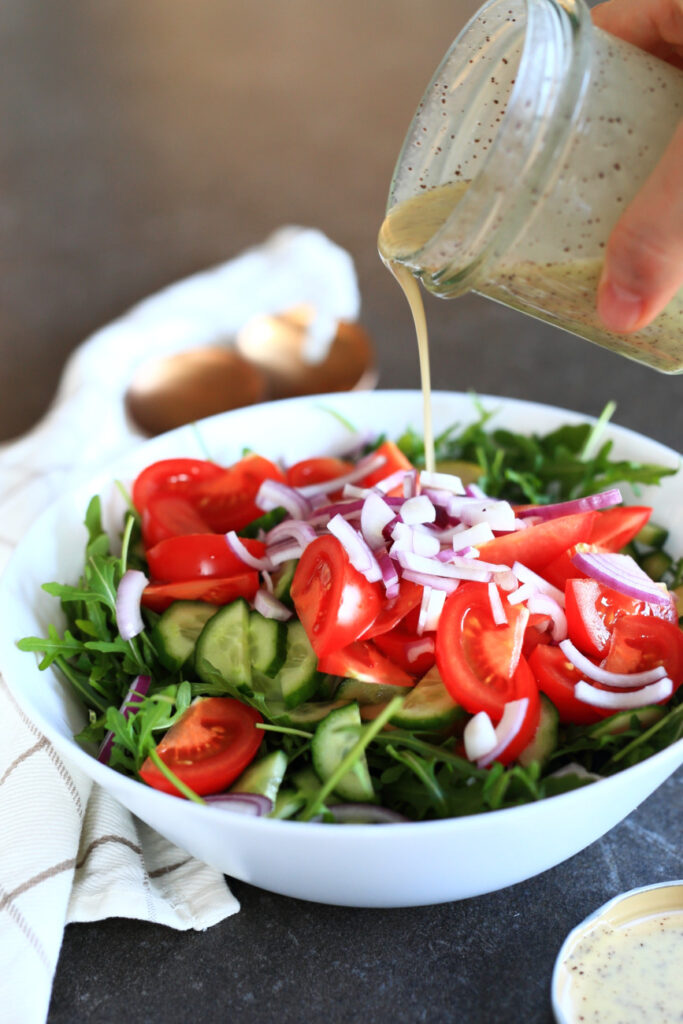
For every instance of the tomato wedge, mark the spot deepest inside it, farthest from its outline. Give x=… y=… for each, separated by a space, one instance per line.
x=158 y=596
x=593 y=609
x=316 y=471
x=335 y=602
x=228 y=501
x=208 y=747
x=193 y=555
x=177 y=476
x=529 y=725
x=478 y=660
x=363 y=661
x=538 y=545
x=616 y=527
x=394 y=460
x=641 y=642
x=392 y=612
x=396 y=645
x=556 y=678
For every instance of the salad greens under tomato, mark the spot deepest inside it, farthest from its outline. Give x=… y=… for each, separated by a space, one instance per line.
x=360 y=640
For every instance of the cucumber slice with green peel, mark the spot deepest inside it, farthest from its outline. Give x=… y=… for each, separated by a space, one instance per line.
x=177 y=631
x=267 y=644
x=651 y=536
x=312 y=712
x=263 y=776
x=333 y=739
x=428 y=706
x=656 y=564
x=544 y=740
x=369 y=693
x=283 y=582
x=222 y=654
x=298 y=677
x=623 y=720
x=287 y=803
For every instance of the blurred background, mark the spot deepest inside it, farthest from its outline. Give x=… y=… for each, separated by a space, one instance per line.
x=142 y=142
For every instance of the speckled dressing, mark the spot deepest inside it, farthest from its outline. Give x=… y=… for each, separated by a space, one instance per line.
x=539 y=128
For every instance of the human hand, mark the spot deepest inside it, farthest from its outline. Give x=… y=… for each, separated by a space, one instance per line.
x=644 y=256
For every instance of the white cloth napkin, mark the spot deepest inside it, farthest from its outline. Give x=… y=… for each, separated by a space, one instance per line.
x=68 y=851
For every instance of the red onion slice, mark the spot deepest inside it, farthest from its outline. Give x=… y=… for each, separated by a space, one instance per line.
x=506 y=730
x=418 y=510
x=292 y=529
x=431 y=607
x=361 y=469
x=543 y=604
x=442 y=482
x=245 y=555
x=376 y=514
x=622 y=573
x=137 y=692
x=274 y=494
x=606 y=499
x=128 y=615
x=391 y=482
x=252 y=804
x=416 y=648
x=497 y=609
x=429 y=580
x=360 y=555
x=390 y=577
x=526 y=575
x=270 y=607
x=434 y=567
x=479 y=736
x=602 y=675
x=625 y=700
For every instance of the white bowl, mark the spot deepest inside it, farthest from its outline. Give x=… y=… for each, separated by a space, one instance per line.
x=355 y=865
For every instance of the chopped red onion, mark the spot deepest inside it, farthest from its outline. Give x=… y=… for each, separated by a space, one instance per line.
x=607 y=678
x=274 y=494
x=428 y=580
x=270 y=607
x=522 y=593
x=415 y=648
x=442 y=482
x=376 y=514
x=431 y=607
x=606 y=499
x=352 y=491
x=391 y=482
x=440 y=499
x=292 y=529
x=252 y=804
x=526 y=575
x=360 y=470
x=432 y=566
x=479 y=736
x=410 y=485
x=286 y=551
x=418 y=510
x=499 y=515
x=543 y=604
x=128 y=615
x=129 y=706
x=497 y=609
x=506 y=730
x=625 y=699
x=360 y=555
x=472 y=535
x=475 y=491
x=622 y=573
x=409 y=538
x=506 y=580
x=237 y=546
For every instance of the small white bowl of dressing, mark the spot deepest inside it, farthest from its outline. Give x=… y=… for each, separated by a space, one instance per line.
x=624 y=962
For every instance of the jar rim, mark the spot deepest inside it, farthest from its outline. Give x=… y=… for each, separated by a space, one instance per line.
x=524 y=156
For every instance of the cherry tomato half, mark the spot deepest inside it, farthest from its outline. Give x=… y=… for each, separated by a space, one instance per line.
x=479 y=660
x=316 y=471
x=208 y=747
x=176 y=476
x=194 y=555
x=556 y=678
x=228 y=501
x=334 y=601
x=593 y=609
x=641 y=642
x=615 y=527
x=392 y=612
x=167 y=514
x=394 y=459
x=537 y=545
x=362 y=660
x=222 y=590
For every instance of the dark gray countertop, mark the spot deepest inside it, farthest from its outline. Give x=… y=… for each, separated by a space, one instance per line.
x=140 y=143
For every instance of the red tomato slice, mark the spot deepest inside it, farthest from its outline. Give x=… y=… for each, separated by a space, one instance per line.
x=528 y=688
x=158 y=596
x=179 y=476
x=538 y=545
x=335 y=602
x=593 y=609
x=228 y=502
x=362 y=660
x=396 y=644
x=208 y=747
x=392 y=612
x=556 y=678
x=198 y=554
x=537 y=632
x=169 y=515
x=477 y=659
x=616 y=527
x=316 y=471
x=640 y=642
x=562 y=568
x=394 y=460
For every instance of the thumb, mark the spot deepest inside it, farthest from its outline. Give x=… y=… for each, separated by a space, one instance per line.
x=644 y=257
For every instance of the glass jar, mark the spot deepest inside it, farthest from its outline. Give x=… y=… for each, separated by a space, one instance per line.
x=534 y=134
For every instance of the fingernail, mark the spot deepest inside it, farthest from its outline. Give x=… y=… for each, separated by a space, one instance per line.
x=618 y=308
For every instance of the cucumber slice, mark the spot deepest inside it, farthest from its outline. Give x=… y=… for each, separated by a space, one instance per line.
x=222 y=654
x=311 y=712
x=176 y=633
x=264 y=776
x=298 y=677
x=545 y=738
x=267 y=644
x=287 y=803
x=333 y=739
x=283 y=582
x=622 y=720
x=651 y=536
x=656 y=564
x=428 y=706
x=368 y=693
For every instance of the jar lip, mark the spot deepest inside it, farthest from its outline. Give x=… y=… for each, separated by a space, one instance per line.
x=524 y=156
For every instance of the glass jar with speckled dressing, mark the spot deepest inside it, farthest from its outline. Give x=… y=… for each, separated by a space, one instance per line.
x=534 y=134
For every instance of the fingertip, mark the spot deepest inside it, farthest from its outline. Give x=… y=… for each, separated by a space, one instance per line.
x=620 y=309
